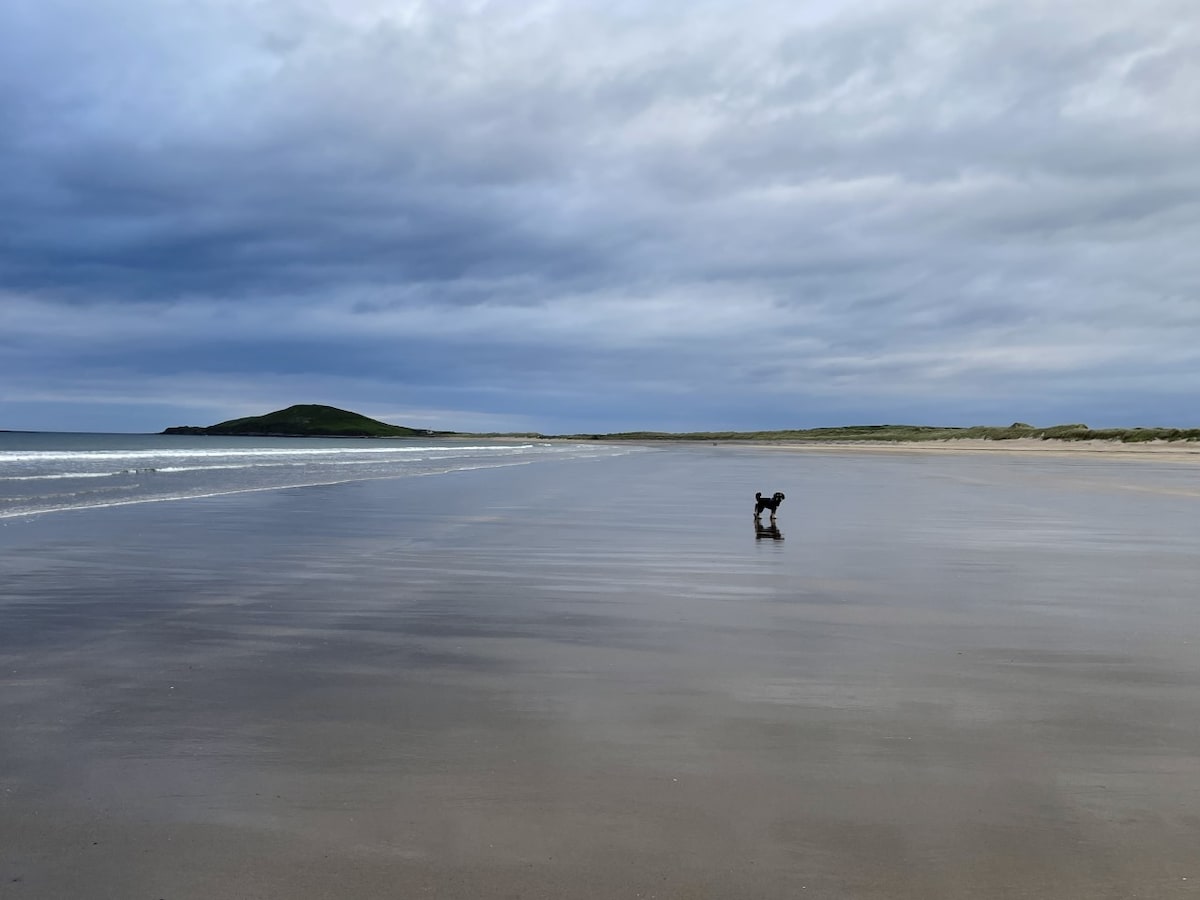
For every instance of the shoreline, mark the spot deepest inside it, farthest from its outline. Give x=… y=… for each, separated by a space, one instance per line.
x=955 y=675
x=1158 y=450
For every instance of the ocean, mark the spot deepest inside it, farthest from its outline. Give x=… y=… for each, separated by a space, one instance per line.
x=52 y=472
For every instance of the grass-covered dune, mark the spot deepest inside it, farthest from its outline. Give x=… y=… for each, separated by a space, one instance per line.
x=896 y=433
x=311 y=420
x=305 y=420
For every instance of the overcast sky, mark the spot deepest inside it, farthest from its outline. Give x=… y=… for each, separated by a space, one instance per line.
x=596 y=216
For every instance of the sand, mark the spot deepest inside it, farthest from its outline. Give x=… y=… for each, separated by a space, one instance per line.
x=943 y=675
x=1163 y=451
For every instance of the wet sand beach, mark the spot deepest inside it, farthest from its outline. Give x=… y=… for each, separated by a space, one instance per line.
x=943 y=676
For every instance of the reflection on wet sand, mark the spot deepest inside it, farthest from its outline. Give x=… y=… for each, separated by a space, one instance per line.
x=770 y=530
x=962 y=676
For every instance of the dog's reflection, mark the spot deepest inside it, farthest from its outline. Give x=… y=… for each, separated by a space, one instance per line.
x=766 y=531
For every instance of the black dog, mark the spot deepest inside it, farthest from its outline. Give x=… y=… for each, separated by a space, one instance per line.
x=773 y=504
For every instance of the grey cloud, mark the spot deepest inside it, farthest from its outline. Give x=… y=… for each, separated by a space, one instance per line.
x=875 y=207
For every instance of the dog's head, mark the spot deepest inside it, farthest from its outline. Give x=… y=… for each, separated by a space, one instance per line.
x=778 y=496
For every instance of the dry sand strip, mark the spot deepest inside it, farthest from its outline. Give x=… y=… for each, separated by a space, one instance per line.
x=1165 y=451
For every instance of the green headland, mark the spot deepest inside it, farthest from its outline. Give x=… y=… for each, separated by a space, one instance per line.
x=306 y=420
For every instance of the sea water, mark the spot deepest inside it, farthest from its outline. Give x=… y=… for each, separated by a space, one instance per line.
x=44 y=472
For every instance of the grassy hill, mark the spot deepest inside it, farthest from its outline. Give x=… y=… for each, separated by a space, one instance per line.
x=305 y=420
x=327 y=421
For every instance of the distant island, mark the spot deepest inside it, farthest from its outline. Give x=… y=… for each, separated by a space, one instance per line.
x=306 y=420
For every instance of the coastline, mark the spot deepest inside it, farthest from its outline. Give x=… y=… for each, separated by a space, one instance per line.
x=1164 y=451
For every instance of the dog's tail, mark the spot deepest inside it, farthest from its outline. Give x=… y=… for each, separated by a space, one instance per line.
x=758 y=495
